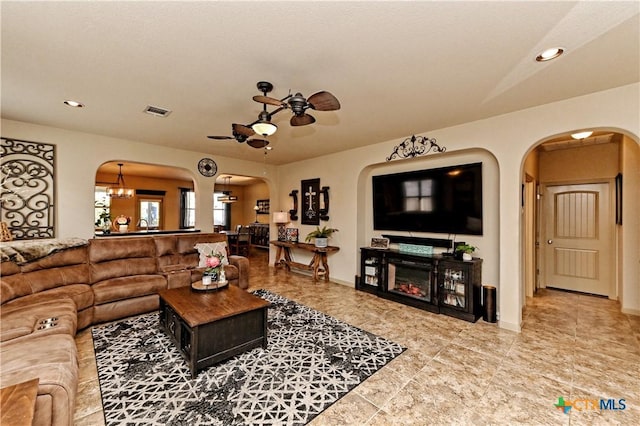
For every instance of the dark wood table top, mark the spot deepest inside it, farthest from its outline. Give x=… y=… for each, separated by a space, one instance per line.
x=197 y=308
x=18 y=403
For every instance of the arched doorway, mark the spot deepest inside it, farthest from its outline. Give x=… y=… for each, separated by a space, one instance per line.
x=154 y=199
x=576 y=183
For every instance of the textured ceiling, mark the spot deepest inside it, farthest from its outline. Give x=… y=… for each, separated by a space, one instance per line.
x=398 y=68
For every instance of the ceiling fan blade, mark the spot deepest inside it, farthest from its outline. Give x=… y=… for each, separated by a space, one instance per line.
x=302 y=120
x=257 y=143
x=220 y=137
x=323 y=101
x=242 y=130
x=269 y=101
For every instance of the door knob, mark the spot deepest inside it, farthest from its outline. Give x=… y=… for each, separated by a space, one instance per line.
x=549 y=241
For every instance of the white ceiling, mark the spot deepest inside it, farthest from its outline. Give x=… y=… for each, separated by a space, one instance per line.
x=398 y=68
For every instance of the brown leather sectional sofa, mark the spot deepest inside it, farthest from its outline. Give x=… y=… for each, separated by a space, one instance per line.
x=46 y=301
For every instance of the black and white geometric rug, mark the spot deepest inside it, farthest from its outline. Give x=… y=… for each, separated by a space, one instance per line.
x=311 y=361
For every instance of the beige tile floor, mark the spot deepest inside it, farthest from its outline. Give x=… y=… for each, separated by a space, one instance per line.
x=573 y=346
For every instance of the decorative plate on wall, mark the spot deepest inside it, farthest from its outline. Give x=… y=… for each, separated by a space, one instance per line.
x=207 y=167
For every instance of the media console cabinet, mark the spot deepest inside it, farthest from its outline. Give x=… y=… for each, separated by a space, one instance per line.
x=435 y=283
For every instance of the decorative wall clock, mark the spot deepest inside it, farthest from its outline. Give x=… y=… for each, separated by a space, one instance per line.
x=207 y=167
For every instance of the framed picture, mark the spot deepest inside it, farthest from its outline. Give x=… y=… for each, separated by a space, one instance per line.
x=263 y=206
x=379 y=243
x=292 y=235
x=310 y=201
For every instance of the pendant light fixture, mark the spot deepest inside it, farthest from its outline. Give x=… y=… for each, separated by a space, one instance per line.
x=120 y=190
x=227 y=197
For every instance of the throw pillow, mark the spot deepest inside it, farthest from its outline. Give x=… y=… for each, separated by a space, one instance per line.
x=206 y=249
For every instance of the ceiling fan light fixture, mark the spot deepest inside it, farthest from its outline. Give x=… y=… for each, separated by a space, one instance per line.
x=264 y=128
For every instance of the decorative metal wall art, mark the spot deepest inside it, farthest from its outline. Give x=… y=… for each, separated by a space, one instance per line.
x=324 y=208
x=293 y=213
x=415 y=147
x=27 y=188
x=310 y=201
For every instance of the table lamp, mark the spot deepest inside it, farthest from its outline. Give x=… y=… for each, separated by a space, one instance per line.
x=280 y=219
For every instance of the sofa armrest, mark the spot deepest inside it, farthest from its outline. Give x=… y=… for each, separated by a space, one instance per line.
x=177 y=275
x=242 y=263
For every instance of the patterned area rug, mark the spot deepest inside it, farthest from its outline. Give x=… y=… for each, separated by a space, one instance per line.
x=311 y=361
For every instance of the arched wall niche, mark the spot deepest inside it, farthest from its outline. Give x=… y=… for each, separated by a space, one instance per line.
x=488 y=243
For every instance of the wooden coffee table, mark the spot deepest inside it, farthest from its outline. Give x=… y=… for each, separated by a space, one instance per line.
x=210 y=327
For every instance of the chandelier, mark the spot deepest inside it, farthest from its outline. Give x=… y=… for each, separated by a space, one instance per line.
x=119 y=190
x=227 y=197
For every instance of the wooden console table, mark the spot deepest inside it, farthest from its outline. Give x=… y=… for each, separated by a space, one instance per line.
x=319 y=264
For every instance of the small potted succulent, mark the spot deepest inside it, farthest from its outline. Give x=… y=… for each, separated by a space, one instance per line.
x=321 y=236
x=463 y=251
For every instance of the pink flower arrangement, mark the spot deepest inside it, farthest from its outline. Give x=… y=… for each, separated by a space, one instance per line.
x=213 y=262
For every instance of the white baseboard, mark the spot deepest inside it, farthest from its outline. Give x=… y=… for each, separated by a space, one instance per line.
x=510 y=326
x=631 y=311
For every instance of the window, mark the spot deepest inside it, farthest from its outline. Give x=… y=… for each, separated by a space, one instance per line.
x=187 y=208
x=151 y=213
x=221 y=212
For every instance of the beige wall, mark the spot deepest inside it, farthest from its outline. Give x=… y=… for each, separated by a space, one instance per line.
x=580 y=163
x=253 y=193
x=629 y=232
x=507 y=138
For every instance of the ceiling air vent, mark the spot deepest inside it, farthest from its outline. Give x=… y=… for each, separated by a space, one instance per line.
x=157 y=111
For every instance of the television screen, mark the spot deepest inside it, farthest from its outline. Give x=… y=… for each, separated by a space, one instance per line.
x=443 y=200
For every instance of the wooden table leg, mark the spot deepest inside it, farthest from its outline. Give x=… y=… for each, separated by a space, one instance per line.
x=325 y=265
x=278 y=261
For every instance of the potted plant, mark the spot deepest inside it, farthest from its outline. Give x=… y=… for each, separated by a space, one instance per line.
x=463 y=251
x=321 y=235
x=104 y=221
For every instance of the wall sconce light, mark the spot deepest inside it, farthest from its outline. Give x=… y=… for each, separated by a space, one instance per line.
x=280 y=219
x=293 y=213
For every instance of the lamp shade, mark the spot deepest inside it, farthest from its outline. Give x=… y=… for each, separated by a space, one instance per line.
x=280 y=217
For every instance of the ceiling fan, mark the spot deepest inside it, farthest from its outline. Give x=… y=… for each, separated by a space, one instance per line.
x=320 y=101
x=242 y=133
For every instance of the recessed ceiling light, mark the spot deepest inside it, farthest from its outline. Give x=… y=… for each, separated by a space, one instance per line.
x=581 y=135
x=74 y=104
x=550 y=54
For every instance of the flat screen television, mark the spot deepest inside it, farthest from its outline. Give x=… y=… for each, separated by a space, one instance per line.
x=444 y=200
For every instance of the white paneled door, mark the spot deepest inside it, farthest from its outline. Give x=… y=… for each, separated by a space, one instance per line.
x=578 y=243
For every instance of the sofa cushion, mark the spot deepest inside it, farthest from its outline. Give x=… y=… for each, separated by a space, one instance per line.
x=101 y=250
x=127 y=288
x=12 y=285
x=53 y=360
x=35 y=319
x=122 y=268
x=81 y=294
